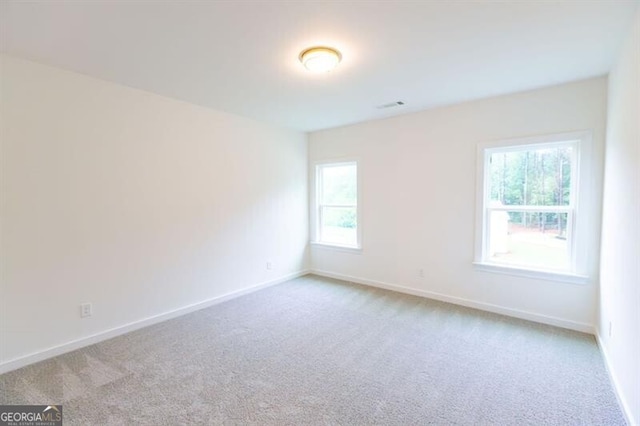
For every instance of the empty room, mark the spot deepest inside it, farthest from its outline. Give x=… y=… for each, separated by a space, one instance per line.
x=319 y=212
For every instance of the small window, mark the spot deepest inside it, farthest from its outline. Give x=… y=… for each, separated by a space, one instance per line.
x=337 y=204
x=529 y=213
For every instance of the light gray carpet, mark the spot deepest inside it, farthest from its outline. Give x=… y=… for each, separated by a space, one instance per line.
x=319 y=351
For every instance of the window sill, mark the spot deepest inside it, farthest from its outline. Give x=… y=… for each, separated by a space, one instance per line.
x=336 y=247
x=564 y=277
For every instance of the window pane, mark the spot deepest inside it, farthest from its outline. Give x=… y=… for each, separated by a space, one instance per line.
x=529 y=239
x=339 y=184
x=338 y=225
x=540 y=177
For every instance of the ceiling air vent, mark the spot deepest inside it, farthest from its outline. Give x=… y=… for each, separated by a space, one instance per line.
x=391 y=105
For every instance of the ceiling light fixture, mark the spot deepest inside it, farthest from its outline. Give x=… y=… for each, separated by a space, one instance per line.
x=320 y=59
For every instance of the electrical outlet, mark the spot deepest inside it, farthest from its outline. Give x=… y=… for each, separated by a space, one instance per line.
x=610 y=326
x=86 y=310
x=421 y=273
x=269 y=265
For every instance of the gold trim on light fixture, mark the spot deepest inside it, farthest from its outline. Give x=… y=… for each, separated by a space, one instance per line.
x=320 y=58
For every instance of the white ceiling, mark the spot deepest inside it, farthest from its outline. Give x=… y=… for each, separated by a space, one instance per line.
x=241 y=56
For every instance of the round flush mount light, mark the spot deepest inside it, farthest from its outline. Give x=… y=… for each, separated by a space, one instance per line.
x=320 y=59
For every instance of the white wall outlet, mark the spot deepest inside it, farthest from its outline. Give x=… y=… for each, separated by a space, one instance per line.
x=269 y=265
x=421 y=273
x=610 y=326
x=86 y=310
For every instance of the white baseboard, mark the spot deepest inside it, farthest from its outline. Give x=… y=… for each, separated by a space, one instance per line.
x=516 y=313
x=626 y=411
x=23 y=361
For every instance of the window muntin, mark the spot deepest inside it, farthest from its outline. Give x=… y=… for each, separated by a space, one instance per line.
x=529 y=207
x=337 y=204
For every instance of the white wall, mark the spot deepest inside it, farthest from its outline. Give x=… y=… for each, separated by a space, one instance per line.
x=620 y=257
x=137 y=203
x=418 y=194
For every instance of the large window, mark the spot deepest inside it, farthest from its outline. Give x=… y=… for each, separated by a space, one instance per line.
x=336 y=207
x=529 y=217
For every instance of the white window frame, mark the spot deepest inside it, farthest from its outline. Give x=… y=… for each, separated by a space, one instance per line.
x=577 y=217
x=316 y=206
